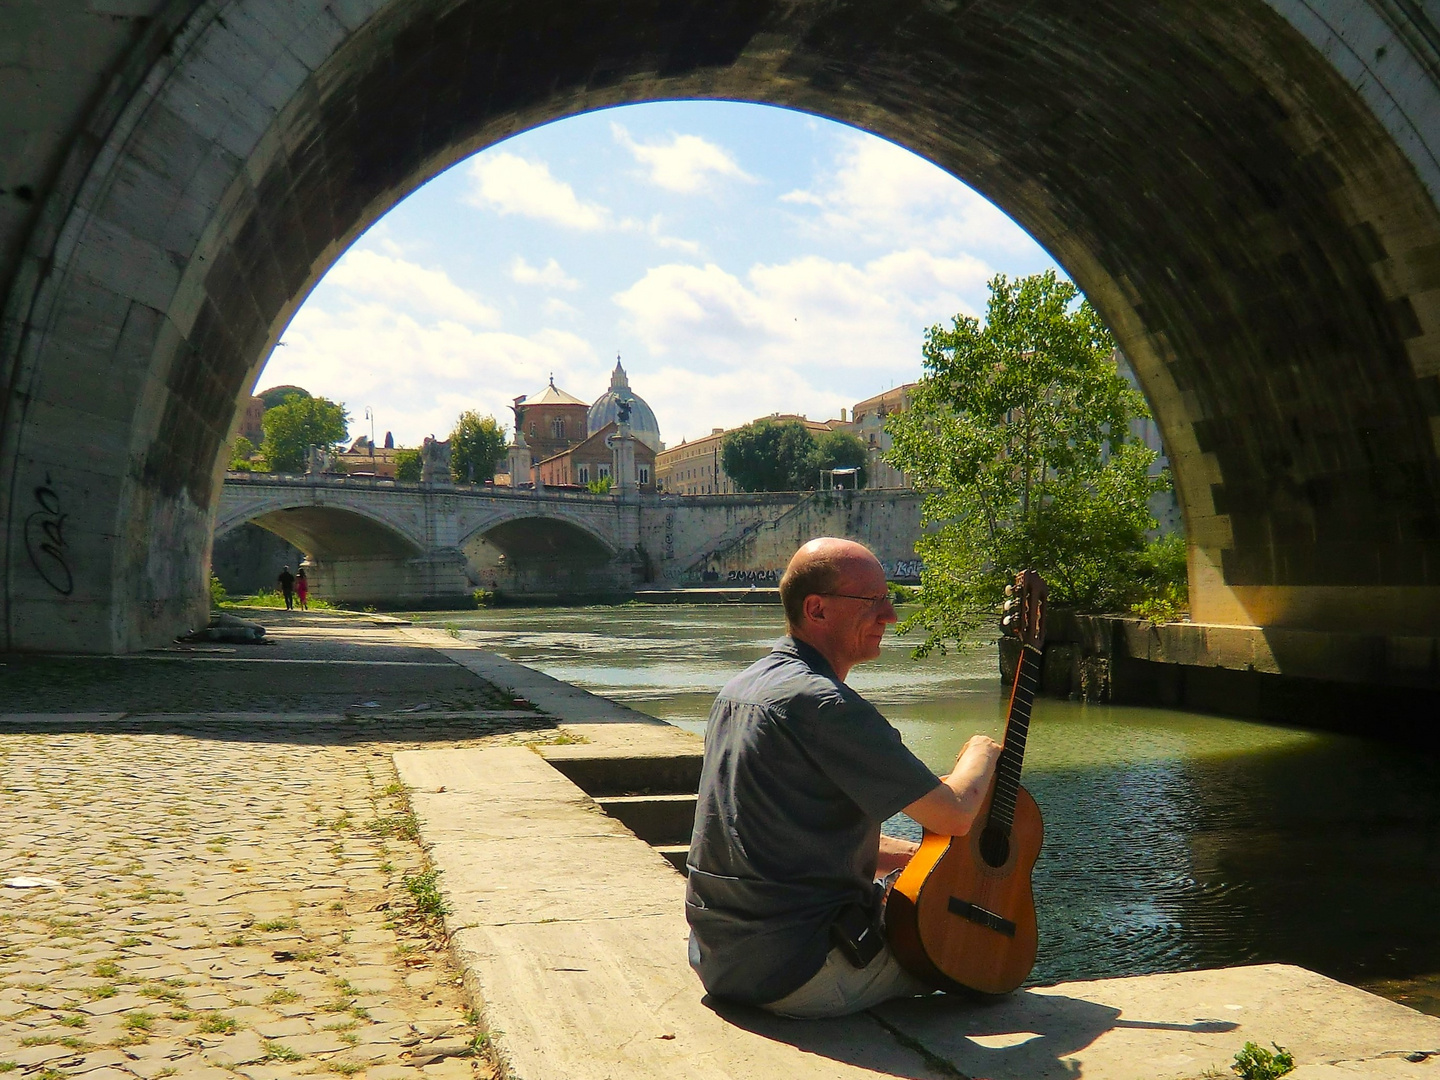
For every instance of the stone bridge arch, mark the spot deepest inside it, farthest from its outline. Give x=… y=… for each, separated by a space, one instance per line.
x=1246 y=189
x=325 y=529
x=518 y=552
x=363 y=545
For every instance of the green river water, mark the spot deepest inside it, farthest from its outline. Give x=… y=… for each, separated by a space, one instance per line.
x=1173 y=840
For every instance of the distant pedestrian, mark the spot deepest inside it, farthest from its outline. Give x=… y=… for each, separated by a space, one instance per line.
x=287 y=586
x=302 y=588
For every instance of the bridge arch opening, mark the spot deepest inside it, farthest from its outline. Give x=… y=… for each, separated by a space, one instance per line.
x=332 y=532
x=1229 y=188
x=352 y=558
x=544 y=558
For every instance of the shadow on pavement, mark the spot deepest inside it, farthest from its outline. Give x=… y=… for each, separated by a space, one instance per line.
x=1023 y=1035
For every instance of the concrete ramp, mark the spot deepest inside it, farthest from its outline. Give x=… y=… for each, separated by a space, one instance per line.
x=571 y=936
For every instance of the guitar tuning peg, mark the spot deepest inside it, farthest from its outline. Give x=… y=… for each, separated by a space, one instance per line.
x=1009 y=590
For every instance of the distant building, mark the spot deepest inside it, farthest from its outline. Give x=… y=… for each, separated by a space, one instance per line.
x=551 y=421
x=251 y=427
x=868 y=425
x=605 y=410
x=1165 y=506
x=695 y=468
x=594 y=459
x=363 y=459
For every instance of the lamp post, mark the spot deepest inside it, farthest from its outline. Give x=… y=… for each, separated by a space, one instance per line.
x=370 y=415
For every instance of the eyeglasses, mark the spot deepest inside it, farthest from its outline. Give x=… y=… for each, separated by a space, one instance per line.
x=872 y=602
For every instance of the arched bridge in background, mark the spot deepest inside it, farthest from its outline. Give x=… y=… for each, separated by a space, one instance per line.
x=421 y=545
x=1246 y=189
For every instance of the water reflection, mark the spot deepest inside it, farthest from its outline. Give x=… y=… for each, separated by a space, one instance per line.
x=1173 y=840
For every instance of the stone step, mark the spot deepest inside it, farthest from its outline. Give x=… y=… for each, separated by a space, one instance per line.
x=676 y=853
x=656 y=819
x=602 y=774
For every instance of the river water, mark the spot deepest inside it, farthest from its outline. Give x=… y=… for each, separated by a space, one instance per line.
x=1173 y=840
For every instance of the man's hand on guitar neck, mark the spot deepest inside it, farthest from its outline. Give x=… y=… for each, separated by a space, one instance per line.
x=951 y=806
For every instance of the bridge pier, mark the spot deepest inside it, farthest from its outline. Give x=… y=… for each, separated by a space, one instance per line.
x=434 y=579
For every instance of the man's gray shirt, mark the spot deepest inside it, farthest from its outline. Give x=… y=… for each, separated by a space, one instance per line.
x=800 y=771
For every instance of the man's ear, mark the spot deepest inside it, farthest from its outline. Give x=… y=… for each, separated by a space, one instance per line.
x=814 y=607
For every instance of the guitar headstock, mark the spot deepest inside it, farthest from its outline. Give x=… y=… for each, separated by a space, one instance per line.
x=1025 y=608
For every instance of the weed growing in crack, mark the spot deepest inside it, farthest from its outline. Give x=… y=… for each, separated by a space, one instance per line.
x=429 y=904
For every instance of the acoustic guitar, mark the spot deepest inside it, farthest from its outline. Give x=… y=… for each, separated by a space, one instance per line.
x=961 y=914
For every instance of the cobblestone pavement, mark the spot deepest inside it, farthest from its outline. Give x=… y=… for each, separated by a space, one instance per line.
x=306 y=663
x=234 y=898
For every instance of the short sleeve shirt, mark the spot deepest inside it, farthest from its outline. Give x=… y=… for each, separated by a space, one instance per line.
x=800 y=771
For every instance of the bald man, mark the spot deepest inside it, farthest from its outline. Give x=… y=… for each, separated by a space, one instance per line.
x=800 y=771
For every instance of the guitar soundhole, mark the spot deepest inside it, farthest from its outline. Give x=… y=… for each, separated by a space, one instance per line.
x=994 y=846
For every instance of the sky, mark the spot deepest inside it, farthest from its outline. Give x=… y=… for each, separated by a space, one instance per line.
x=740 y=259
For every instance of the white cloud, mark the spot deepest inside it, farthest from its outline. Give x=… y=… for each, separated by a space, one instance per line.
x=556 y=308
x=551 y=276
x=655 y=230
x=810 y=310
x=509 y=184
x=419 y=371
x=690 y=403
x=808 y=335
x=405 y=284
x=883 y=194
x=685 y=164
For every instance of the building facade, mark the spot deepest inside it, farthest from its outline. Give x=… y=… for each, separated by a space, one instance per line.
x=606 y=409
x=251 y=426
x=696 y=468
x=868 y=425
x=593 y=459
x=551 y=421
x=365 y=459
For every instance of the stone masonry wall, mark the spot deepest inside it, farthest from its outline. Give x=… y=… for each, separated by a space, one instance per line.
x=750 y=538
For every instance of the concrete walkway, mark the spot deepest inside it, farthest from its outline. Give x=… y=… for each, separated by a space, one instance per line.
x=570 y=931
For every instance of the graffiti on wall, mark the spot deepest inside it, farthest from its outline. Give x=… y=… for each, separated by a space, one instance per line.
x=904 y=569
x=755 y=577
x=45 y=540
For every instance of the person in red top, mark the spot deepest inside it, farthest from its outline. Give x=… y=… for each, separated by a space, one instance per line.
x=302 y=588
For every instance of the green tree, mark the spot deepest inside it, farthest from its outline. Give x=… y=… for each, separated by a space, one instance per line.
x=1019 y=432
x=241 y=453
x=770 y=455
x=838 y=450
x=477 y=445
x=292 y=428
x=409 y=466
x=279 y=395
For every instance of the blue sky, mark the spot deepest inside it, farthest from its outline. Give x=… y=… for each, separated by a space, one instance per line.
x=742 y=260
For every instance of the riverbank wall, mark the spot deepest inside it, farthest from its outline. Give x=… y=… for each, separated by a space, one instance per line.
x=729 y=540
x=1378 y=686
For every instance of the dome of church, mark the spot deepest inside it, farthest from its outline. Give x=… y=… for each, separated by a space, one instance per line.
x=607 y=408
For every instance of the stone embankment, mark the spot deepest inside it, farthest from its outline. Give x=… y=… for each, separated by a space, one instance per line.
x=1384 y=686
x=254 y=890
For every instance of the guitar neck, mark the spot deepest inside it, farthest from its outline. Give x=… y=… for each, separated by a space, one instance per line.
x=1017 y=728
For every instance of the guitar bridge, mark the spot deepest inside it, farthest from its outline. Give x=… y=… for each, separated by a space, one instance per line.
x=984 y=916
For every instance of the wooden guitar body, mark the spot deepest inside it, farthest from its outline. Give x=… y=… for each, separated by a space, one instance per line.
x=956 y=921
x=961 y=914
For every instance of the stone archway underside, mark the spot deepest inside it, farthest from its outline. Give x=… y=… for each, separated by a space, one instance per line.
x=330 y=532
x=1253 y=215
